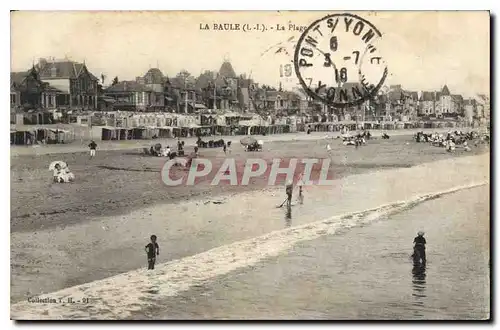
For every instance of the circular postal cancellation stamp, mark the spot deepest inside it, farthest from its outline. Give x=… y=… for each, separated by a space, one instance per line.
x=337 y=60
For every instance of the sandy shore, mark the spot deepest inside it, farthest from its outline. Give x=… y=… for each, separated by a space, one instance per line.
x=117 y=182
x=234 y=234
x=64 y=235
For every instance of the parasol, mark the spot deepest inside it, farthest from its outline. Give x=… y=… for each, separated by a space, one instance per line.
x=248 y=140
x=52 y=165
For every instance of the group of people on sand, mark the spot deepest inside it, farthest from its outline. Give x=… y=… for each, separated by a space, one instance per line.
x=226 y=146
x=358 y=139
x=159 y=151
x=450 y=140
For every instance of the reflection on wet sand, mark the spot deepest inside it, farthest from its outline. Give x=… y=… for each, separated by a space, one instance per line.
x=288 y=216
x=419 y=286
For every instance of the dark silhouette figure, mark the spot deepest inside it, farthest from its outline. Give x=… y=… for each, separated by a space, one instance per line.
x=419 y=249
x=152 y=250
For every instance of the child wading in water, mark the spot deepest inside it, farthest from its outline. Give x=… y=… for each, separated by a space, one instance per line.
x=419 y=246
x=152 y=249
x=289 y=191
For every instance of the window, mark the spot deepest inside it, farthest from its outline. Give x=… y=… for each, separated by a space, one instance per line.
x=12 y=98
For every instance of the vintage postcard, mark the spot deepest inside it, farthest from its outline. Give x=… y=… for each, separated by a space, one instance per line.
x=271 y=165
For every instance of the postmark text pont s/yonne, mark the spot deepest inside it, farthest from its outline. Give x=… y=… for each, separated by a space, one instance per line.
x=338 y=62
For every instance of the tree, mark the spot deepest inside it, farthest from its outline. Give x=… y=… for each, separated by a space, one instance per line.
x=184 y=74
x=186 y=77
x=115 y=81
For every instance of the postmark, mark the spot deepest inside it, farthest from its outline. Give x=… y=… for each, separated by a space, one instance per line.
x=337 y=60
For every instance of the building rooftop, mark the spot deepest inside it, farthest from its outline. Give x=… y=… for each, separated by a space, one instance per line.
x=445 y=91
x=61 y=69
x=127 y=86
x=154 y=76
x=227 y=71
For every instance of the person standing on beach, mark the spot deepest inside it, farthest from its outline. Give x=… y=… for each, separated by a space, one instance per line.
x=289 y=191
x=420 y=242
x=93 y=147
x=152 y=250
x=329 y=150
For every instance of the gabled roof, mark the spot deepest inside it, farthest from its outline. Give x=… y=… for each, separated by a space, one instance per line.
x=226 y=70
x=445 y=91
x=204 y=80
x=127 y=86
x=427 y=96
x=483 y=97
x=413 y=95
x=17 y=78
x=64 y=69
x=457 y=98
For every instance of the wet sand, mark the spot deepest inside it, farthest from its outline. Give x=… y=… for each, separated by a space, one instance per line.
x=212 y=241
x=98 y=246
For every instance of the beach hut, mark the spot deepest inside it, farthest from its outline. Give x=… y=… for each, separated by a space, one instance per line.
x=152 y=131
x=165 y=132
x=109 y=133
x=122 y=134
x=22 y=137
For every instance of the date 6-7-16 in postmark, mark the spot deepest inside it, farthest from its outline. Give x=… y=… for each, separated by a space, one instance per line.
x=338 y=62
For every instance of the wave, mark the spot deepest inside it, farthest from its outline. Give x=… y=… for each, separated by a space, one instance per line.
x=119 y=296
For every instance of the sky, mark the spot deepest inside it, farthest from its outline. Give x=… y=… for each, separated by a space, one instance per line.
x=423 y=50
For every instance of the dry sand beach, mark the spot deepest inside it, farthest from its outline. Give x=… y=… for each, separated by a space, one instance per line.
x=66 y=235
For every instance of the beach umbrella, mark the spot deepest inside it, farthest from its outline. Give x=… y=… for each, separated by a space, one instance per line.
x=52 y=165
x=248 y=140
